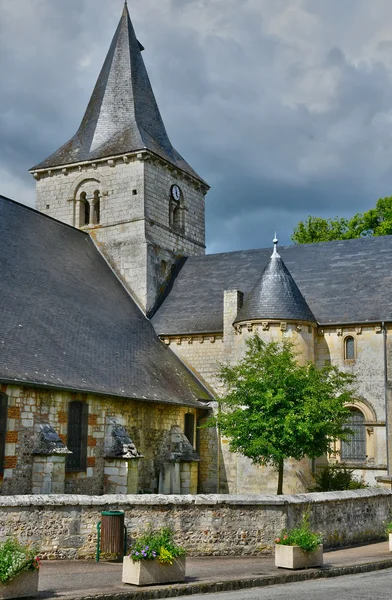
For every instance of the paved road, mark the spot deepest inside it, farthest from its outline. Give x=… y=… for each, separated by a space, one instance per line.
x=367 y=586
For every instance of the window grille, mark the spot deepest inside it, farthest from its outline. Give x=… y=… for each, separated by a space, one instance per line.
x=77 y=436
x=349 y=348
x=3 y=428
x=189 y=427
x=354 y=449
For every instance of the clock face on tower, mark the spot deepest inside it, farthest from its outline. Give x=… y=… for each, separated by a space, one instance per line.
x=176 y=193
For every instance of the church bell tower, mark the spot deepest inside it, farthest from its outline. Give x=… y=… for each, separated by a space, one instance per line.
x=120 y=179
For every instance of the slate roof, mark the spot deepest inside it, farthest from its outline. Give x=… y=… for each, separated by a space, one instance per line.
x=122 y=115
x=342 y=282
x=67 y=322
x=275 y=296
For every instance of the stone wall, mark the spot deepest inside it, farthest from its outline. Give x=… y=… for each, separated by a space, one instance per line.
x=204 y=353
x=146 y=422
x=65 y=526
x=368 y=368
x=134 y=231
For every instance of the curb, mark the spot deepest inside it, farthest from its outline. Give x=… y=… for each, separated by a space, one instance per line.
x=189 y=589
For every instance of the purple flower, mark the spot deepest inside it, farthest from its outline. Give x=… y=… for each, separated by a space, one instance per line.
x=137 y=553
x=147 y=548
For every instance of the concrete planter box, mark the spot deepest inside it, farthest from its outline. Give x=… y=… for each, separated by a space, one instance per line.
x=293 y=557
x=390 y=542
x=150 y=572
x=24 y=585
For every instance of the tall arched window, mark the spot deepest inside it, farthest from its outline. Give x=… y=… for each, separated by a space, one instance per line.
x=77 y=436
x=354 y=449
x=3 y=428
x=97 y=208
x=349 y=348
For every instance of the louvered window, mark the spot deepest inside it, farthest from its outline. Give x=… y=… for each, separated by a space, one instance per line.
x=354 y=449
x=189 y=427
x=3 y=428
x=77 y=436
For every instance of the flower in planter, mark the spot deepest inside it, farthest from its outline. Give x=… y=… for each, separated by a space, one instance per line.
x=301 y=536
x=16 y=559
x=156 y=545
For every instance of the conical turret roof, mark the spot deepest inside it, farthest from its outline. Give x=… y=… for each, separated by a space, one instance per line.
x=122 y=115
x=275 y=296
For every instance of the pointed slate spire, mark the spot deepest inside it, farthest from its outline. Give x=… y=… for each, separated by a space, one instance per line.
x=276 y=295
x=122 y=115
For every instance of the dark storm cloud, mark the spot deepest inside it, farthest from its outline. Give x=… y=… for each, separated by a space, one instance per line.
x=283 y=106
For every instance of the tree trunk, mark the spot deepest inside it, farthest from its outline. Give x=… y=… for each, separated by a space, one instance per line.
x=280 y=478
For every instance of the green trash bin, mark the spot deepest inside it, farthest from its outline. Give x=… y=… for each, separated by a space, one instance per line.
x=112 y=534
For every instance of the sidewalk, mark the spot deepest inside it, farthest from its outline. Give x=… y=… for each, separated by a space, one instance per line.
x=102 y=581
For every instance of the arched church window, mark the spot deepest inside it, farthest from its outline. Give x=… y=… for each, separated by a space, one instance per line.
x=77 y=436
x=97 y=208
x=354 y=448
x=3 y=428
x=349 y=348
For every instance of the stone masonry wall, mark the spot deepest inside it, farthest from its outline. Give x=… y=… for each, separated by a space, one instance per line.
x=145 y=422
x=220 y=469
x=235 y=473
x=368 y=368
x=134 y=230
x=65 y=526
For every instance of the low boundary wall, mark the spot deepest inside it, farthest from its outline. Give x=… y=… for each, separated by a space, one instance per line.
x=65 y=526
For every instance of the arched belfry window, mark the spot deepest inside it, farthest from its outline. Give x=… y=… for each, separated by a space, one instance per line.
x=3 y=428
x=349 y=348
x=84 y=210
x=354 y=448
x=97 y=208
x=77 y=436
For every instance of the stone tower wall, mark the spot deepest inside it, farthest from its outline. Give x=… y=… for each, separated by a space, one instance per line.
x=134 y=231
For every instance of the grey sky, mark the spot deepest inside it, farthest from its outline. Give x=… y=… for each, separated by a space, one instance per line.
x=283 y=106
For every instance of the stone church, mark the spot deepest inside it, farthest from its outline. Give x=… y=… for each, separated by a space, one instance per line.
x=113 y=321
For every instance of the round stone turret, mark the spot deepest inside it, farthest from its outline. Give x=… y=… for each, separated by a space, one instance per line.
x=275 y=296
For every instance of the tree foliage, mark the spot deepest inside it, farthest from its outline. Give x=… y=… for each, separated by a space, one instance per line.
x=275 y=408
x=374 y=222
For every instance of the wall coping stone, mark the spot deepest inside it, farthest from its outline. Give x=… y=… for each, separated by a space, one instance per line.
x=201 y=499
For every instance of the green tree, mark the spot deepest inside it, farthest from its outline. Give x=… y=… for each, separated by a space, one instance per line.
x=275 y=408
x=374 y=222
